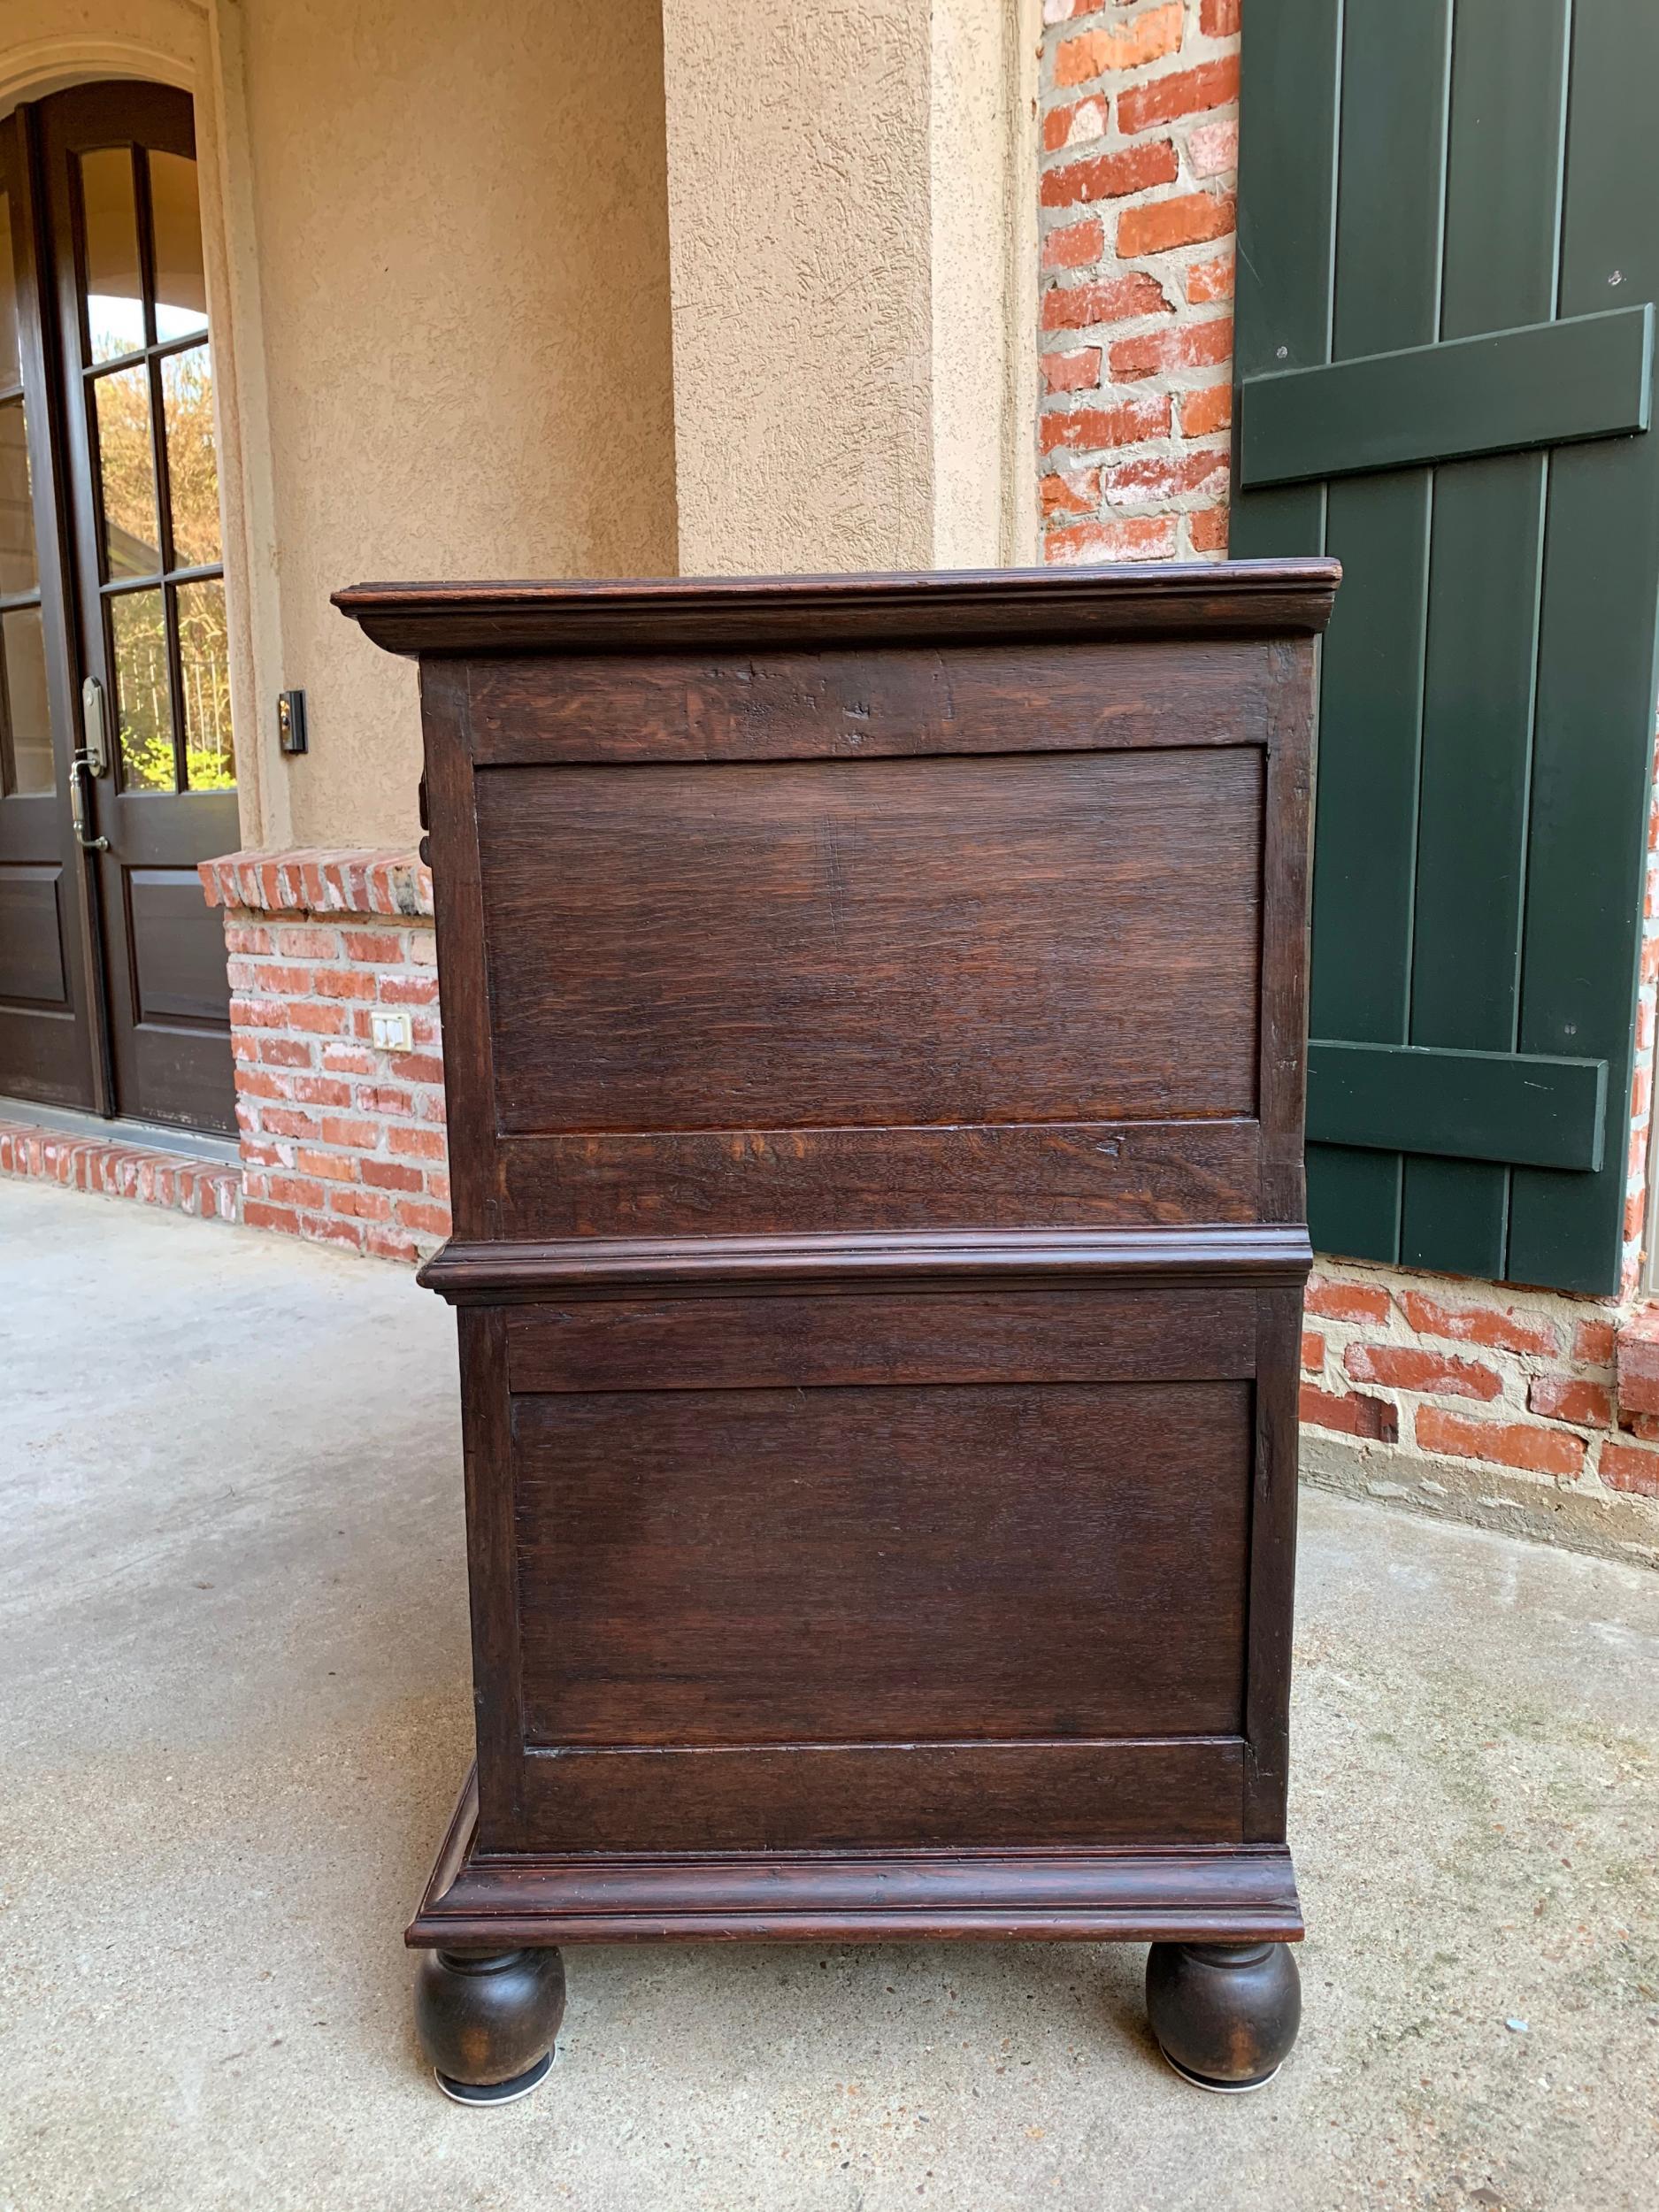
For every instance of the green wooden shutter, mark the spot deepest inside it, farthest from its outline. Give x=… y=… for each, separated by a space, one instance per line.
x=1449 y=250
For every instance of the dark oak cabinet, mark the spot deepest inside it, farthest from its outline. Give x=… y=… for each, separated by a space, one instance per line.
x=874 y=1035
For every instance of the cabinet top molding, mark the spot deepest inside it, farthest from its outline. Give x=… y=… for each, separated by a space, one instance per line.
x=1261 y=599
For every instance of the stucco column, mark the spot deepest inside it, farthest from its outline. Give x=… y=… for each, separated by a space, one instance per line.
x=852 y=285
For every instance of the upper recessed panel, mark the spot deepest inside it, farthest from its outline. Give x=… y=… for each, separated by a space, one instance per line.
x=881 y=943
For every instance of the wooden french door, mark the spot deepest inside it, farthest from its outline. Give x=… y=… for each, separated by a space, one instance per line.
x=116 y=764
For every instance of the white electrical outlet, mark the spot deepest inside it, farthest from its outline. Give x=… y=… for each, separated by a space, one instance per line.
x=391 y=1028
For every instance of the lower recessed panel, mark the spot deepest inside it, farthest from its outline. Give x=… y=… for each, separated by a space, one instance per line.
x=788 y=1566
x=31 y=934
x=178 y=949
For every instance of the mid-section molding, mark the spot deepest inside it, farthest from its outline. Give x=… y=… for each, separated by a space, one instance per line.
x=1267 y=1256
x=1229 y=1893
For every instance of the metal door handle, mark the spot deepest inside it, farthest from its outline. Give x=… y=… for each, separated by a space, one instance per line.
x=94 y=728
x=79 y=765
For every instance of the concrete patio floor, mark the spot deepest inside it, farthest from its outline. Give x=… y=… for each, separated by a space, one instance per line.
x=237 y=1710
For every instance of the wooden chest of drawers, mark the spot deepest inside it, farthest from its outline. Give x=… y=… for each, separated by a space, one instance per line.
x=874 y=1029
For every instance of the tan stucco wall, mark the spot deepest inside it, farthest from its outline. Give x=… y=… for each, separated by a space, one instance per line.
x=485 y=302
x=437 y=242
x=462 y=262
x=798 y=153
x=849 y=285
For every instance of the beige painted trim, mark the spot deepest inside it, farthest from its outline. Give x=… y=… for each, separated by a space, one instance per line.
x=1020 y=532
x=185 y=44
x=967 y=206
x=247 y=486
x=984 y=61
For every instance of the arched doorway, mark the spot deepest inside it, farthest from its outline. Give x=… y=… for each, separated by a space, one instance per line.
x=117 y=774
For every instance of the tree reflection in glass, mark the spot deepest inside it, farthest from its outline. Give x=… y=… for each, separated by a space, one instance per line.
x=127 y=475
x=144 y=690
x=187 y=381
x=204 y=671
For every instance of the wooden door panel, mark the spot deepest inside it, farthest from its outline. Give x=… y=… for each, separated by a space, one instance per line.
x=43 y=1027
x=885 y=944
x=32 y=962
x=911 y=1563
x=178 y=967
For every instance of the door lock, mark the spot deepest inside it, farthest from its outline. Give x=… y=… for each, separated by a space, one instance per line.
x=94 y=729
x=92 y=758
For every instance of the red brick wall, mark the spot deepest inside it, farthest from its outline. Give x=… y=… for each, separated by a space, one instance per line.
x=1139 y=155
x=1498 y=1377
x=341 y=1139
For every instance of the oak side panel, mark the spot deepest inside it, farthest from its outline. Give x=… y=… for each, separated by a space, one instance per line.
x=492 y=1574
x=458 y=902
x=882 y=1338
x=1272 y=1569
x=863 y=703
x=1289 y=833
x=772 y=1181
x=1073 y=937
x=777 y=1566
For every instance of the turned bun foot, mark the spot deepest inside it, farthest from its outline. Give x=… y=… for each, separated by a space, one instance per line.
x=486 y=2021
x=1224 y=2014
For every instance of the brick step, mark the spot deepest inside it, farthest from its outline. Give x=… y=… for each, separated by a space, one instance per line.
x=116 y=1168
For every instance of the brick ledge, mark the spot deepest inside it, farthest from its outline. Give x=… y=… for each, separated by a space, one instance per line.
x=311 y=880
x=179 y=1181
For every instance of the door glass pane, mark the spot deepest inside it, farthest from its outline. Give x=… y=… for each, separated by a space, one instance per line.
x=180 y=289
x=187 y=398
x=204 y=665
x=115 y=293
x=143 y=692
x=19 y=570
x=127 y=470
x=11 y=366
x=26 y=718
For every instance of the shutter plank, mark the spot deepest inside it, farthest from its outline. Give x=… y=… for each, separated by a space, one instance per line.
x=1396 y=66
x=1365 y=825
x=1287 y=238
x=1506 y=142
x=1289 y=66
x=1542 y=383
x=1593 y=744
x=1508 y=1106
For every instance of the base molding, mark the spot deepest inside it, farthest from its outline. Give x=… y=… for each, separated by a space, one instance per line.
x=1199 y=1894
